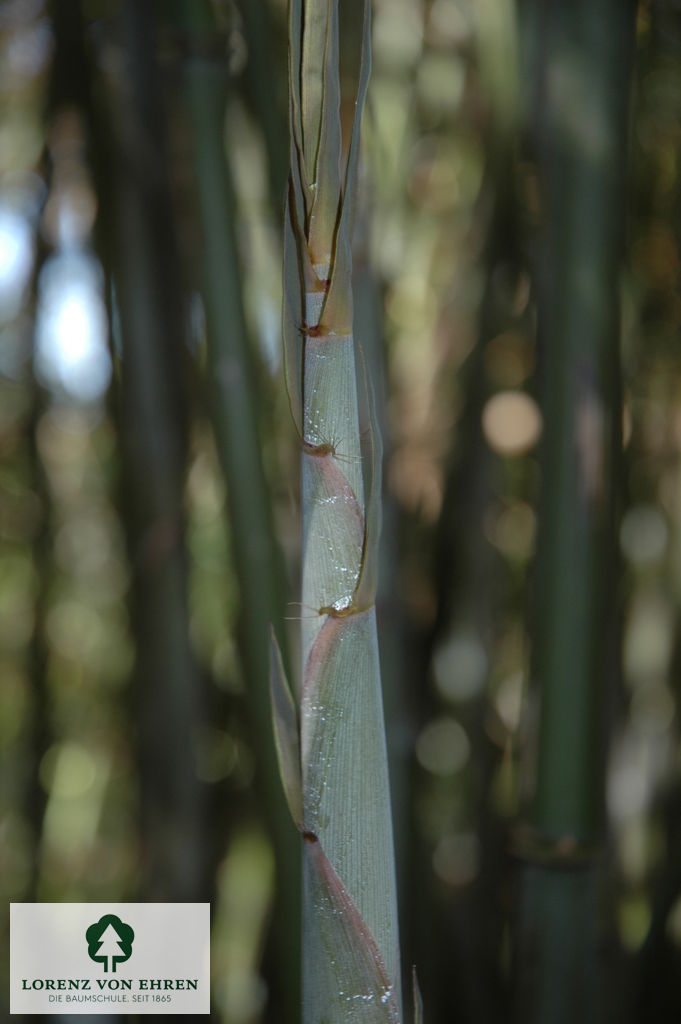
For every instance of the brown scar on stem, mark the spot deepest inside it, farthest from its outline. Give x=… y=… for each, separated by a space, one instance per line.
x=310 y=837
x=315 y=331
x=325 y=448
x=319 y=450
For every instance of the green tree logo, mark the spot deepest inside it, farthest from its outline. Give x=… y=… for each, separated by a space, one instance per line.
x=109 y=941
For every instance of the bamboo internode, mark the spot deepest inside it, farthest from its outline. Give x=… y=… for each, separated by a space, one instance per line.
x=333 y=759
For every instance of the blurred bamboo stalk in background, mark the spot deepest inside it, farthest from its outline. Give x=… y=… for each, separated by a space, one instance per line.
x=262 y=86
x=152 y=423
x=232 y=383
x=471 y=927
x=581 y=127
x=41 y=727
x=334 y=763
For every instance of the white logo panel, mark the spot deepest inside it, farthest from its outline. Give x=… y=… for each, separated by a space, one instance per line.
x=110 y=958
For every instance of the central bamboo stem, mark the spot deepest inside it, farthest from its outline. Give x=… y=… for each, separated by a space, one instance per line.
x=331 y=559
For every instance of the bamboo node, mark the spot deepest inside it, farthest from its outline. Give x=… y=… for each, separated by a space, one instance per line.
x=344 y=613
x=563 y=852
x=318 y=450
x=315 y=331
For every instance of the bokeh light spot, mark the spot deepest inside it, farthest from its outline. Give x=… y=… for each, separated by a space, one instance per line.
x=456 y=858
x=643 y=534
x=511 y=423
x=71 y=356
x=443 y=747
x=67 y=770
x=16 y=260
x=460 y=666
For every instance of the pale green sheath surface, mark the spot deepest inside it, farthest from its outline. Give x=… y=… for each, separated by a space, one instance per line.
x=333 y=753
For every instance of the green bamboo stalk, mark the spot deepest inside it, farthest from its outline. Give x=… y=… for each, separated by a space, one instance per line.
x=586 y=50
x=333 y=760
x=152 y=423
x=233 y=391
x=582 y=164
x=262 y=87
x=41 y=727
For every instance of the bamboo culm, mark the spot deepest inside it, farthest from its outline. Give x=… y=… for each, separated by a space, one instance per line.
x=332 y=747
